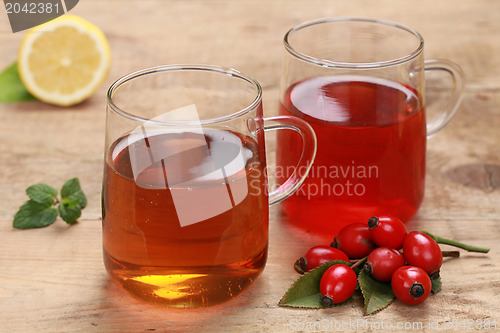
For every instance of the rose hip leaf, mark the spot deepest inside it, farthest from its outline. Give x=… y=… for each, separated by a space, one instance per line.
x=304 y=292
x=70 y=210
x=42 y=193
x=312 y=301
x=34 y=215
x=72 y=190
x=436 y=285
x=377 y=295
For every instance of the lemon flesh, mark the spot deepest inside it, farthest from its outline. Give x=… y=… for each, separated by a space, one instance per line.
x=64 y=61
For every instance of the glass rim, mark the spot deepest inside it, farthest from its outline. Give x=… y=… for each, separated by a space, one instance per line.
x=184 y=67
x=352 y=65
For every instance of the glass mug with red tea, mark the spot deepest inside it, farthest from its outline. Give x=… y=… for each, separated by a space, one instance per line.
x=185 y=198
x=360 y=84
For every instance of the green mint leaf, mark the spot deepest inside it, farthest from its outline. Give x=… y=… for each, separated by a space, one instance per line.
x=34 y=215
x=304 y=292
x=11 y=87
x=378 y=295
x=72 y=190
x=42 y=193
x=70 y=210
x=436 y=285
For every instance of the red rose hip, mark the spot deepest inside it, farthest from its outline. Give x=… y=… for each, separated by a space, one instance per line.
x=337 y=284
x=318 y=255
x=383 y=262
x=422 y=251
x=387 y=231
x=354 y=240
x=411 y=285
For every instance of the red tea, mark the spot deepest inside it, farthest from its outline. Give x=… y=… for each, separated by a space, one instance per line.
x=185 y=216
x=371 y=151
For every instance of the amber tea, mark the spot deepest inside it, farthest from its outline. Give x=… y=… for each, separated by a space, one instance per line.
x=164 y=236
x=185 y=194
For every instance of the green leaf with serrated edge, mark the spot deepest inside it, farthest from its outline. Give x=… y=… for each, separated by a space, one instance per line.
x=312 y=302
x=436 y=285
x=34 y=215
x=377 y=295
x=11 y=87
x=72 y=190
x=42 y=193
x=70 y=187
x=80 y=196
x=304 y=291
x=70 y=210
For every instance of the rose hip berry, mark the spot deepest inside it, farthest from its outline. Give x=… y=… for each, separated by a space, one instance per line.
x=383 y=262
x=411 y=285
x=318 y=255
x=354 y=240
x=422 y=251
x=387 y=231
x=337 y=284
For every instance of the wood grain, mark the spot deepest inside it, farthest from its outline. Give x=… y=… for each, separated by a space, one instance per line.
x=53 y=279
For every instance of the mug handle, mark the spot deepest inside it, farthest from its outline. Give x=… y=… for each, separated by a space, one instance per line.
x=306 y=159
x=457 y=89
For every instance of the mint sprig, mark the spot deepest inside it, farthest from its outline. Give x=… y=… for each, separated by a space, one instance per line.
x=69 y=210
x=42 y=193
x=34 y=215
x=71 y=191
x=44 y=205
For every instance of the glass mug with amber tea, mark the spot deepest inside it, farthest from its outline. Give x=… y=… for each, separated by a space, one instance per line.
x=185 y=197
x=360 y=84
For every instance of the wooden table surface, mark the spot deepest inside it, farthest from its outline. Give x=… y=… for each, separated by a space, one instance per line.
x=53 y=279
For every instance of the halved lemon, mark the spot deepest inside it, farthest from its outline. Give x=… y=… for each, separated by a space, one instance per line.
x=64 y=61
